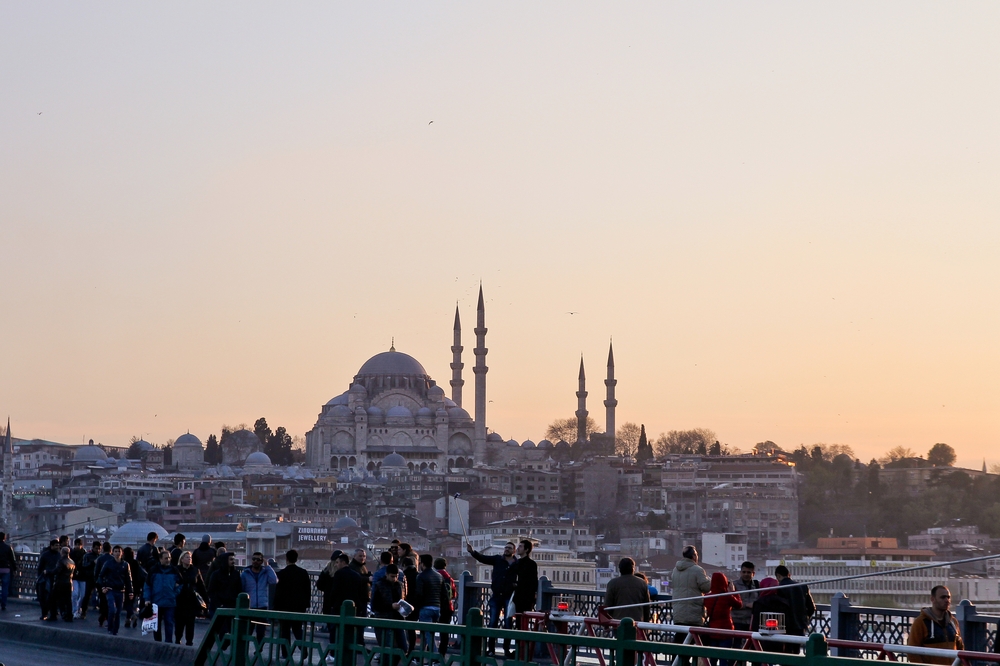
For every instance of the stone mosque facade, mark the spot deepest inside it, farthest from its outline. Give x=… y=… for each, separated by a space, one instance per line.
x=392 y=407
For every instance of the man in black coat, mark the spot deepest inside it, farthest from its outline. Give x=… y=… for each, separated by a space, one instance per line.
x=47 y=563
x=799 y=599
x=348 y=584
x=86 y=575
x=224 y=585
x=524 y=577
x=203 y=556
x=500 y=585
x=429 y=597
x=8 y=567
x=293 y=593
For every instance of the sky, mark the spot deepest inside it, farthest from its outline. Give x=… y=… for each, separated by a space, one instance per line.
x=784 y=214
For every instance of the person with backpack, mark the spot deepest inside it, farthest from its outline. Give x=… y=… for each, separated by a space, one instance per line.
x=449 y=594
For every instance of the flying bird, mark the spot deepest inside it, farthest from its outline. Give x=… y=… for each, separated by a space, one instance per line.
x=577 y=312
x=431 y=122
x=39 y=113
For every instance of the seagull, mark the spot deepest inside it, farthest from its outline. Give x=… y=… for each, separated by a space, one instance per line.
x=577 y=312
x=431 y=122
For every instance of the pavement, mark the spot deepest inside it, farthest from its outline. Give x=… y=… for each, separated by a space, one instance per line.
x=20 y=624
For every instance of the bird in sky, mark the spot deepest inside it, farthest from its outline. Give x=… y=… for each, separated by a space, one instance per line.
x=39 y=113
x=431 y=122
x=573 y=312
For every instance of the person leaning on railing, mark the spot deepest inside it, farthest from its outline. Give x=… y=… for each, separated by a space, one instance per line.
x=625 y=590
x=936 y=627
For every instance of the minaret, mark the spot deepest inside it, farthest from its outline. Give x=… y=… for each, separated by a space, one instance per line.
x=581 y=406
x=610 y=403
x=480 y=371
x=456 y=363
x=8 y=481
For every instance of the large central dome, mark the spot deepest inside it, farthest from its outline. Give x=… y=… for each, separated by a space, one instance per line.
x=392 y=362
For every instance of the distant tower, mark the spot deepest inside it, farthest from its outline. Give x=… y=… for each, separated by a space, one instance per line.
x=581 y=406
x=8 y=481
x=456 y=364
x=480 y=371
x=610 y=403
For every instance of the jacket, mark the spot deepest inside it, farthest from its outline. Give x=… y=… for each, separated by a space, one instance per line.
x=409 y=581
x=347 y=584
x=744 y=616
x=99 y=564
x=524 y=574
x=77 y=555
x=223 y=588
x=429 y=590
x=294 y=590
x=147 y=556
x=116 y=576
x=87 y=571
x=202 y=558
x=450 y=593
x=624 y=590
x=258 y=585
x=928 y=632
x=47 y=563
x=689 y=580
x=500 y=580
x=384 y=595
x=720 y=609
x=8 y=560
x=138 y=573
x=64 y=571
x=801 y=603
x=162 y=585
x=191 y=582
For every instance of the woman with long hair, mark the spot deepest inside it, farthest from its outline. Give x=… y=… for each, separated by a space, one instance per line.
x=189 y=598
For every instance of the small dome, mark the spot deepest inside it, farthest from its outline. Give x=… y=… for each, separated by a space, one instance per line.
x=458 y=413
x=435 y=393
x=561 y=444
x=394 y=460
x=187 y=439
x=358 y=389
x=399 y=412
x=134 y=532
x=545 y=444
x=512 y=442
x=258 y=458
x=392 y=363
x=341 y=410
x=90 y=453
x=441 y=412
x=339 y=400
x=425 y=411
x=448 y=402
x=528 y=444
x=494 y=437
x=145 y=447
x=344 y=522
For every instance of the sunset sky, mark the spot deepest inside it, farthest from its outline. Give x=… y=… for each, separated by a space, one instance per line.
x=785 y=214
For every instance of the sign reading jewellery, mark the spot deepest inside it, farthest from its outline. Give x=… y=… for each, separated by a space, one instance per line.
x=312 y=534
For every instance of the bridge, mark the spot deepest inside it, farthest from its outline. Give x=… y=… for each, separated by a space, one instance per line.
x=840 y=630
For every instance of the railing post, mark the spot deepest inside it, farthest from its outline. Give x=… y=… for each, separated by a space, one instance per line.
x=844 y=625
x=464 y=591
x=345 y=651
x=973 y=631
x=473 y=647
x=544 y=601
x=816 y=649
x=240 y=629
x=626 y=632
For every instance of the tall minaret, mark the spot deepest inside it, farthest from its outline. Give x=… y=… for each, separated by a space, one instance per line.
x=480 y=371
x=8 y=481
x=456 y=363
x=581 y=406
x=610 y=403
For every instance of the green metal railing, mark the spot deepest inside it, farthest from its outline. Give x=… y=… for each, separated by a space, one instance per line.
x=244 y=637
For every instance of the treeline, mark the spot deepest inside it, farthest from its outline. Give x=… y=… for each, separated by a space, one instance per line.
x=276 y=444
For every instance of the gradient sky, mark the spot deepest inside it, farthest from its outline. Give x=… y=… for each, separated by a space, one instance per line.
x=786 y=214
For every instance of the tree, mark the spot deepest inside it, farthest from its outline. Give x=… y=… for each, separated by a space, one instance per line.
x=895 y=454
x=565 y=430
x=627 y=439
x=134 y=452
x=279 y=447
x=941 y=455
x=644 y=451
x=212 y=450
x=261 y=429
x=684 y=441
x=168 y=454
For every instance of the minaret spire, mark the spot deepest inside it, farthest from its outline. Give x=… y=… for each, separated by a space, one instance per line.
x=610 y=403
x=456 y=362
x=581 y=406
x=6 y=515
x=480 y=371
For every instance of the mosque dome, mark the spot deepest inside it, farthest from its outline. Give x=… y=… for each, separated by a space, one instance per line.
x=458 y=413
x=494 y=437
x=341 y=410
x=435 y=393
x=344 y=523
x=394 y=460
x=425 y=415
x=90 y=453
x=399 y=412
x=512 y=442
x=562 y=444
x=392 y=362
x=339 y=400
x=441 y=411
x=528 y=444
x=134 y=532
x=144 y=447
x=545 y=444
x=257 y=458
x=187 y=439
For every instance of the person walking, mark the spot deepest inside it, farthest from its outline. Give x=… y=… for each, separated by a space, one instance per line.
x=47 y=563
x=102 y=600
x=409 y=575
x=627 y=589
x=257 y=580
x=447 y=601
x=293 y=593
x=178 y=548
x=936 y=627
x=8 y=567
x=800 y=601
x=203 y=556
x=61 y=600
x=115 y=580
x=79 y=586
x=501 y=587
x=86 y=574
x=163 y=582
x=747 y=584
x=386 y=595
x=190 y=598
x=429 y=596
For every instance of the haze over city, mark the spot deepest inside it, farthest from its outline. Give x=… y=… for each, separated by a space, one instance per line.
x=784 y=214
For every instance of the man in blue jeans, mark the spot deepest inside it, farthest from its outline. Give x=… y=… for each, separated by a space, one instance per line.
x=8 y=565
x=501 y=587
x=430 y=596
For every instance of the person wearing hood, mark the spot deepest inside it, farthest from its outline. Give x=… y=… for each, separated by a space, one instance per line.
x=203 y=556
x=936 y=627
x=720 y=609
x=770 y=601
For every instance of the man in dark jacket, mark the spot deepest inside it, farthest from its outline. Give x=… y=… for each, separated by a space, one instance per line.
x=627 y=590
x=224 y=586
x=203 y=556
x=102 y=598
x=77 y=554
x=175 y=552
x=500 y=584
x=409 y=580
x=86 y=574
x=524 y=576
x=47 y=563
x=358 y=565
x=115 y=580
x=147 y=555
x=292 y=593
x=430 y=597
x=348 y=584
x=8 y=567
x=799 y=599
x=386 y=595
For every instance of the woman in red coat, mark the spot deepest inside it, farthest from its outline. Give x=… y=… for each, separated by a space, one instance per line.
x=720 y=609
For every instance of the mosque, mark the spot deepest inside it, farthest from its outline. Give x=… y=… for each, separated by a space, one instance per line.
x=394 y=414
